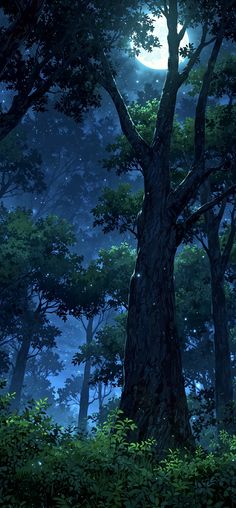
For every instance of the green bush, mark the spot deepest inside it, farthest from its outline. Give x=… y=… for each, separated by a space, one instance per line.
x=43 y=465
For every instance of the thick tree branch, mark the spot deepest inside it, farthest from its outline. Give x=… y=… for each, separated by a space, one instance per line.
x=181 y=33
x=189 y=186
x=202 y=242
x=193 y=218
x=138 y=144
x=194 y=58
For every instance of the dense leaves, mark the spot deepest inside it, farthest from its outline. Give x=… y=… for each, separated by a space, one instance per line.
x=43 y=465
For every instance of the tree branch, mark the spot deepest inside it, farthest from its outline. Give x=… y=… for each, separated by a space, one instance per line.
x=190 y=221
x=108 y=82
x=204 y=245
x=189 y=186
x=194 y=58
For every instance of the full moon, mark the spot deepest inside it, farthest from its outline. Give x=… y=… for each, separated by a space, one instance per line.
x=158 y=57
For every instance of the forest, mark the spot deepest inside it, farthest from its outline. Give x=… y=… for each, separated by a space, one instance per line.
x=117 y=254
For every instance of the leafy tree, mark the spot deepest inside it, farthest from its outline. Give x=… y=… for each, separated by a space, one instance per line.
x=36 y=264
x=70 y=392
x=37 y=384
x=71 y=65
x=117 y=209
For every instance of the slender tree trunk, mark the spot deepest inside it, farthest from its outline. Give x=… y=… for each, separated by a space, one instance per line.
x=223 y=373
x=100 y=398
x=153 y=394
x=18 y=375
x=84 y=396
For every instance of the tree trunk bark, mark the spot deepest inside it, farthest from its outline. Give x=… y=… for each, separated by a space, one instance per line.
x=100 y=398
x=153 y=394
x=18 y=375
x=223 y=374
x=84 y=396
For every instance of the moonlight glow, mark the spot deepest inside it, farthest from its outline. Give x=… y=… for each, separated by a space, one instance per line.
x=158 y=57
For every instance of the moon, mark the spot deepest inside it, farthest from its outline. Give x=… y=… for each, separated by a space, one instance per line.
x=158 y=57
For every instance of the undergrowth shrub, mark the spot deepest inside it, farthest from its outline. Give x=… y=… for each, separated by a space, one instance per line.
x=43 y=465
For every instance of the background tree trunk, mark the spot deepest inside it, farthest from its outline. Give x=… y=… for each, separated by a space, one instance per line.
x=18 y=375
x=223 y=371
x=84 y=396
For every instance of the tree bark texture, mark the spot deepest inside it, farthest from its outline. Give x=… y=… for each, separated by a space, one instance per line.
x=153 y=394
x=223 y=373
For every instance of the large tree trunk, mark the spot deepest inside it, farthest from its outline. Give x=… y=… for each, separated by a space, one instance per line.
x=18 y=375
x=223 y=374
x=84 y=396
x=154 y=395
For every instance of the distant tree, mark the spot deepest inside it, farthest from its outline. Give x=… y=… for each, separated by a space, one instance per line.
x=106 y=353
x=69 y=394
x=37 y=266
x=37 y=384
x=106 y=286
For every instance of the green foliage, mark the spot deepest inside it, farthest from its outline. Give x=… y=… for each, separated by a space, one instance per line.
x=43 y=465
x=122 y=157
x=117 y=265
x=20 y=167
x=35 y=256
x=223 y=80
x=118 y=209
x=193 y=291
x=106 y=352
